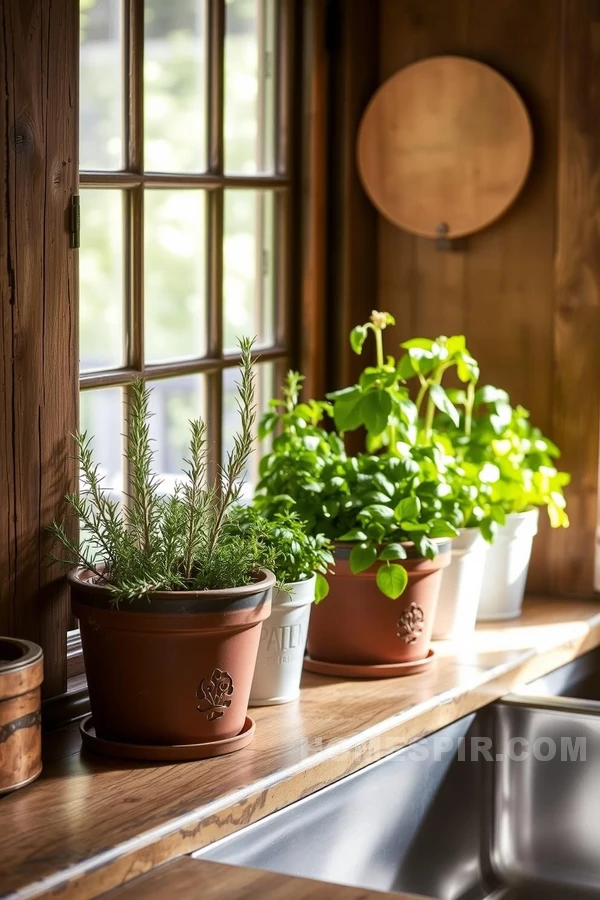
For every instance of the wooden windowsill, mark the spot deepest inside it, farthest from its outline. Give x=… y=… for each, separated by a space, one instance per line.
x=90 y=824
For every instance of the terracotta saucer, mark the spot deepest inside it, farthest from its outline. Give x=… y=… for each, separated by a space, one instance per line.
x=174 y=753
x=386 y=670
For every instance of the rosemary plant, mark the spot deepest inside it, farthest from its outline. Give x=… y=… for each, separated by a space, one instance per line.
x=159 y=542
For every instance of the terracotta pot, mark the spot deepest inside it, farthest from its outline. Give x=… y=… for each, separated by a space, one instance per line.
x=282 y=642
x=21 y=675
x=357 y=625
x=173 y=667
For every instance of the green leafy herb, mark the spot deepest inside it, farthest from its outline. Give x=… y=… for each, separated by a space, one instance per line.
x=355 y=499
x=516 y=459
x=451 y=458
x=379 y=402
x=428 y=360
x=392 y=580
x=290 y=551
x=181 y=541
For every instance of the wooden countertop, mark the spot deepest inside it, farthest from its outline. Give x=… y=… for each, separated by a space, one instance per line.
x=192 y=878
x=90 y=824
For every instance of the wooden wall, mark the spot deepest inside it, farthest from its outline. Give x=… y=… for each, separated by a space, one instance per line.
x=526 y=291
x=38 y=315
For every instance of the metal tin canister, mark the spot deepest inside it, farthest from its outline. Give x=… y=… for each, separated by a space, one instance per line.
x=21 y=676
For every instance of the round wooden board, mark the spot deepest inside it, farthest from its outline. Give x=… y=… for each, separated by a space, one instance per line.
x=445 y=142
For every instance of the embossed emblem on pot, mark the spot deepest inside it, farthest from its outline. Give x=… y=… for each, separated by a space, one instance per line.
x=410 y=623
x=214 y=694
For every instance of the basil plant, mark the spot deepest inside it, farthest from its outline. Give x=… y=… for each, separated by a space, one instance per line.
x=386 y=505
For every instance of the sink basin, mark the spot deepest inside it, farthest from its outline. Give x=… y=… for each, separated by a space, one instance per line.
x=443 y=819
x=579 y=679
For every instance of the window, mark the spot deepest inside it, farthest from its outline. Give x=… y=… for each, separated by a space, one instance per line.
x=185 y=198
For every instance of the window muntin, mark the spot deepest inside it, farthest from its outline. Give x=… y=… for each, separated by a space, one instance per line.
x=185 y=198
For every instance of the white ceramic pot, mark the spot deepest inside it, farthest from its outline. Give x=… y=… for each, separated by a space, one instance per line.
x=282 y=643
x=461 y=587
x=506 y=568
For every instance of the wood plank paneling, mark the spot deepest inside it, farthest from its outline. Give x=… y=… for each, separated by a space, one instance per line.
x=413 y=275
x=576 y=380
x=354 y=51
x=509 y=298
x=533 y=324
x=114 y=820
x=38 y=321
x=312 y=318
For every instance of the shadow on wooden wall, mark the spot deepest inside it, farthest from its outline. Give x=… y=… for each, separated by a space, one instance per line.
x=526 y=291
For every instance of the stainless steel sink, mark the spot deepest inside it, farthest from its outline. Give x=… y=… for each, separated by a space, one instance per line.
x=579 y=679
x=458 y=816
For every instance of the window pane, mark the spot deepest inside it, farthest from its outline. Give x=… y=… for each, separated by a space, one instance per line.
x=101 y=280
x=249 y=114
x=174 y=282
x=175 y=86
x=101 y=85
x=248 y=267
x=265 y=375
x=173 y=402
x=101 y=415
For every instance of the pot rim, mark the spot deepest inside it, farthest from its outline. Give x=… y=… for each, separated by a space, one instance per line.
x=294 y=584
x=30 y=655
x=282 y=597
x=527 y=513
x=441 y=542
x=264 y=583
x=472 y=533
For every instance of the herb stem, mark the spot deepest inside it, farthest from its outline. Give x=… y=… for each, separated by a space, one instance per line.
x=422 y=391
x=379 y=346
x=429 y=417
x=436 y=380
x=392 y=439
x=469 y=408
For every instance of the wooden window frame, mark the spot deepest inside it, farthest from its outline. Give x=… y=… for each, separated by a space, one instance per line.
x=133 y=180
x=39 y=381
x=38 y=316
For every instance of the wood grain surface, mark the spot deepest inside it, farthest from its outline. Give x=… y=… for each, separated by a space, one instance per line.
x=38 y=321
x=352 y=249
x=90 y=824
x=310 y=324
x=187 y=878
x=445 y=143
x=576 y=378
x=526 y=290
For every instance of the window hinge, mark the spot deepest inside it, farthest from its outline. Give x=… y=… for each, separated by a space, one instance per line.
x=75 y=222
x=265 y=263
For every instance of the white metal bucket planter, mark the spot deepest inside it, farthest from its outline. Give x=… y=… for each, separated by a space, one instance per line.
x=282 y=643
x=461 y=587
x=506 y=567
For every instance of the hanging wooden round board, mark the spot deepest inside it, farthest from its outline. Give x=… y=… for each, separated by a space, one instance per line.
x=444 y=147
